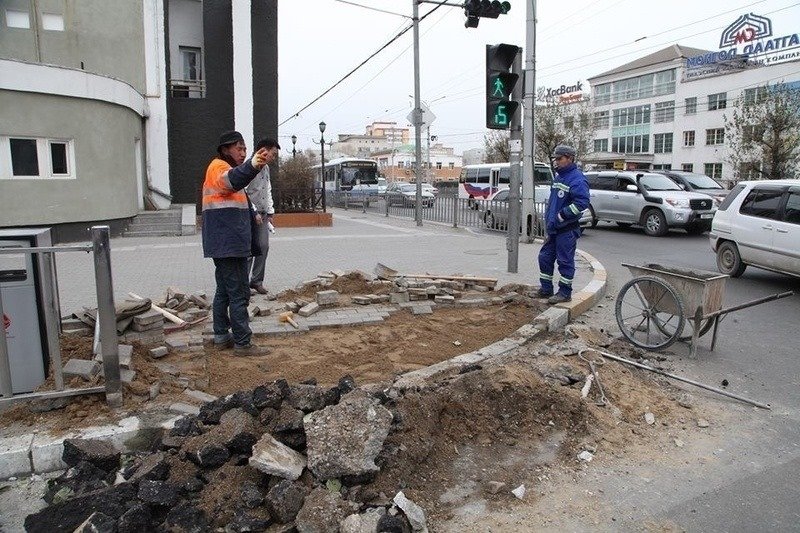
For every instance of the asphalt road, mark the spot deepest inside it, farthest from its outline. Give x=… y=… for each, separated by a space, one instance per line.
x=754 y=484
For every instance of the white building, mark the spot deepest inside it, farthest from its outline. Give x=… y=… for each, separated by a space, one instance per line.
x=439 y=163
x=666 y=110
x=474 y=156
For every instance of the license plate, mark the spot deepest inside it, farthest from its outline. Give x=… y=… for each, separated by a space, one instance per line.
x=707 y=215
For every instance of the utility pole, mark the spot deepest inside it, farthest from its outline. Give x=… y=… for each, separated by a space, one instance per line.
x=528 y=131
x=515 y=147
x=417 y=116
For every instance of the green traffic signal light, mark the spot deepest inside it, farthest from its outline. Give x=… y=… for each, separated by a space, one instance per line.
x=500 y=83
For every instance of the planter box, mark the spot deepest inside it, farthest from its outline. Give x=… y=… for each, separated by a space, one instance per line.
x=302 y=220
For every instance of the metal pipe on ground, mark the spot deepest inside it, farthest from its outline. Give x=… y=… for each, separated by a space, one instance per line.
x=679 y=378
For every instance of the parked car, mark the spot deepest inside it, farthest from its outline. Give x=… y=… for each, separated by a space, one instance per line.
x=650 y=200
x=430 y=188
x=495 y=214
x=758 y=224
x=701 y=183
x=405 y=194
x=381 y=185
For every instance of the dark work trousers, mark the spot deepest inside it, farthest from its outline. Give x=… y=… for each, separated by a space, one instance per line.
x=257 y=265
x=230 y=300
x=559 y=248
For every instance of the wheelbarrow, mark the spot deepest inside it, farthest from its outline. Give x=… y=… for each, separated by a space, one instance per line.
x=659 y=303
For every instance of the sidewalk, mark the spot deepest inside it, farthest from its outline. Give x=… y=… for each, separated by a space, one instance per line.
x=147 y=266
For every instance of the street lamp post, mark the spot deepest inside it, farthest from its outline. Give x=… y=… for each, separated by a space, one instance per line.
x=294 y=143
x=322 y=157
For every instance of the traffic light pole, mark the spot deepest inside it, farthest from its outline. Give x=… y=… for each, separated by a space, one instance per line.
x=515 y=148
x=528 y=128
x=417 y=117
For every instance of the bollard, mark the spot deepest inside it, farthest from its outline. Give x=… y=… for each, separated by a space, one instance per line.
x=106 y=314
x=455 y=211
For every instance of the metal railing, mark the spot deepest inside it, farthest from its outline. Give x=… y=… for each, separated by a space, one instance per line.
x=444 y=208
x=187 y=88
x=106 y=316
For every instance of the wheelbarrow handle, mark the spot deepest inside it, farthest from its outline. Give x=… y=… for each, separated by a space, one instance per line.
x=750 y=304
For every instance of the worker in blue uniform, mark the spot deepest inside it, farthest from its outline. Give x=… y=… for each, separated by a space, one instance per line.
x=569 y=196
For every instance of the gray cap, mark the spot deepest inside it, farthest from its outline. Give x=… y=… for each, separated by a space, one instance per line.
x=563 y=149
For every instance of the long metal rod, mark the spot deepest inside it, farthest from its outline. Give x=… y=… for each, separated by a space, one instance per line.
x=417 y=117
x=106 y=314
x=36 y=250
x=6 y=387
x=528 y=130
x=679 y=378
x=51 y=394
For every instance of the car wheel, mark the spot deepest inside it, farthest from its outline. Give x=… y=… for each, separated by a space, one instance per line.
x=594 y=217
x=488 y=219
x=655 y=224
x=729 y=261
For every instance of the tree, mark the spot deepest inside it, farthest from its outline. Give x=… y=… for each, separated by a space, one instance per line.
x=495 y=144
x=763 y=133
x=570 y=124
x=293 y=190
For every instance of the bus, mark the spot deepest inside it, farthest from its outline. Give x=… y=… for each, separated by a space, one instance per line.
x=359 y=177
x=481 y=181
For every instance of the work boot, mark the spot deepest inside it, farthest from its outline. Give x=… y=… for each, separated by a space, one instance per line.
x=259 y=288
x=541 y=293
x=249 y=349
x=223 y=342
x=558 y=298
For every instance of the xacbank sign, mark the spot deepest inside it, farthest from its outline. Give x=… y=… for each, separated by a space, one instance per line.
x=747 y=41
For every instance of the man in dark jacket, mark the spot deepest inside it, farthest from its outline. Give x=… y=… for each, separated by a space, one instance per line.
x=227 y=238
x=569 y=196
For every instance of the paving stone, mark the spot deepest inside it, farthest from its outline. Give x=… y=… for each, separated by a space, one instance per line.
x=81 y=368
x=126 y=375
x=421 y=310
x=360 y=300
x=158 y=353
x=184 y=409
x=148 y=317
x=329 y=297
x=176 y=344
x=398 y=297
x=142 y=328
x=200 y=395
x=310 y=309
x=447 y=300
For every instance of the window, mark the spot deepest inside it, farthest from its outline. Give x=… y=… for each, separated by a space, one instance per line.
x=643 y=86
x=52 y=22
x=665 y=112
x=630 y=116
x=662 y=143
x=749 y=170
x=632 y=141
x=662 y=167
x=35 y=158
x=602 y=94
x=451 y=165
x=687 y=167
x=762 y=203
x=24 y=157
x=191 y=63
x=438 y=165
x=715 y=136
x=754 y=96
x=665 y=82
x=688 y=138
x=691 y=105
x=18 y=19
x=752 y=133
x=713 y=170
x=601 y=145
x=791 y=212
x=601 y=119
x=601 y=183
x=717 y=101
x=569 y=122
x=583 y=119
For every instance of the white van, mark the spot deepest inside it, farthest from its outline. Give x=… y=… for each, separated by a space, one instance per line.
x=758 y=224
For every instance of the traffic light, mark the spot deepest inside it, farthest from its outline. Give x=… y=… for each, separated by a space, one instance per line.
x=475 y=9
x=500 y=82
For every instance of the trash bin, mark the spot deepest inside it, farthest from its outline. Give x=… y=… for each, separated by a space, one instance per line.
x=31 y=316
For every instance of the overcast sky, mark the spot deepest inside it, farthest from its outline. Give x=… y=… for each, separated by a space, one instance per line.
x=319 y=41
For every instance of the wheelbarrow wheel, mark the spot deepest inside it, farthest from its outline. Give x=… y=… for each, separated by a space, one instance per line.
x=649 y=313
x=705 y=327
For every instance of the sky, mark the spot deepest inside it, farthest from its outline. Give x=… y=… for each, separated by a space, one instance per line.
x=319 y=41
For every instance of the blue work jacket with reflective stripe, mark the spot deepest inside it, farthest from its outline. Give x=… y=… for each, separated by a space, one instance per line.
x=569 y=196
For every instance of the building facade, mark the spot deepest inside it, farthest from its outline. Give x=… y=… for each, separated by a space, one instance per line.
x=667 y=110
x=379 y=136
x=108 y=108
x=440 y=163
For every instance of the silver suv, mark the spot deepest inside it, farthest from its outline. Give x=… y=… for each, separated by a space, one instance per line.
x=650 y=200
